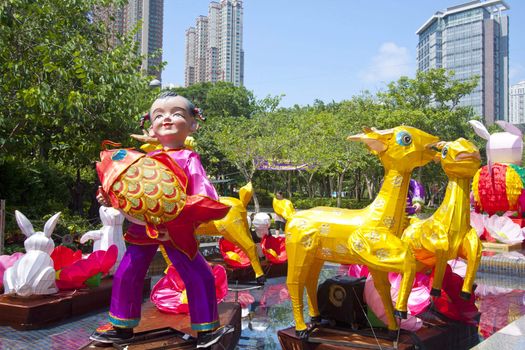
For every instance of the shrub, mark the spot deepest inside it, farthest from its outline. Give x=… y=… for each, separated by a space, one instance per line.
x=346 y=203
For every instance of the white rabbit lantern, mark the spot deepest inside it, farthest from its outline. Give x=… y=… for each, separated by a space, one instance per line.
x=261 y=223
x=33 y=274
x=110 y=234
x=502 y=147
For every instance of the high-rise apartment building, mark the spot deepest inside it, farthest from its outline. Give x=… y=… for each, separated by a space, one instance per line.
x=151 y=13
x=517 y=103
x=149 y=36
x=214 y=50
x=471 y=39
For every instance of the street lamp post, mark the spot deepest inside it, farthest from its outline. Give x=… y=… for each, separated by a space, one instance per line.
x=155 y=83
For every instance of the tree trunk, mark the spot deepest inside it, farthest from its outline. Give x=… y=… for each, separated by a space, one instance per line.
x=255 y=202
x=309 y=186
x=369 y=186
x=248 y=177
x=77 y=193
x=289 y=184
x=340 y=187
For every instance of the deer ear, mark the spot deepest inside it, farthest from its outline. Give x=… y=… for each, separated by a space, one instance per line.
x=376 y=146
x=24 y=224
x=480 y=129
x=373 y=138
x=50 y=224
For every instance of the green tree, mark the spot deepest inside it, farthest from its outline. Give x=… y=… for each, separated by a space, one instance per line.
x=64 y=88
x=430 y=102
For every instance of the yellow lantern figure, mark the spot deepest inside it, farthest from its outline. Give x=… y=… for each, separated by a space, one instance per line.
x=283 y=207
x=234 y=227
x=366 y=236
x=447 y=234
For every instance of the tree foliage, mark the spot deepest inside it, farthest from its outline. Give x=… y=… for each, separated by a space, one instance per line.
x=64 y=88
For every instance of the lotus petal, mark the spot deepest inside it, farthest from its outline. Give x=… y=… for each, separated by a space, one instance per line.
x=232 y=254
x=503 y=229
x=63 y=256
x=7 y=261
x=74 y=276
x=477 y=221
x=274 y=248
x=373 y=300
x=169 y=293
x=357 y=270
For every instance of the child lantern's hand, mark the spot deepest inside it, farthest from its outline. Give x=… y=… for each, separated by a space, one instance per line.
x=102 y=197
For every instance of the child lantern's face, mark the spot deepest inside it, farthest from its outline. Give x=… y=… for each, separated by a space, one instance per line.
x=171 y=122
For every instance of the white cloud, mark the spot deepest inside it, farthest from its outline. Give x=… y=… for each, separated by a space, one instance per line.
x=390 y=63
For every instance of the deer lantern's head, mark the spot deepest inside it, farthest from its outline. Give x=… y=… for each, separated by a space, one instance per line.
x=402 y=148
x=459 y=158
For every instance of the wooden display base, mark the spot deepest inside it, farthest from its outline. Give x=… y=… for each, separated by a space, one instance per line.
x=500 y=247
x=152 y=319
x=38 y=311
x=442 y=335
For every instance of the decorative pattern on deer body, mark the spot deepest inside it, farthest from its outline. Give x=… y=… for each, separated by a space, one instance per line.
x=447 y=234
x=234 y=227
x=366 y=236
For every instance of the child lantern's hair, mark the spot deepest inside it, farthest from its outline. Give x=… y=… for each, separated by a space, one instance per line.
x=194 y=111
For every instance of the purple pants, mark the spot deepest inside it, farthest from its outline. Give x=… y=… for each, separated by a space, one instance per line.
x=126 y=295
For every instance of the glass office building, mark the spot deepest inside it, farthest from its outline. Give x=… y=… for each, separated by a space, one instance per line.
x=471 y=39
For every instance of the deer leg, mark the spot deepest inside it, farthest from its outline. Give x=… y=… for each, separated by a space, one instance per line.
x=382 y=285
x=246 y=244
x=300 y=259
x=439 y=272
x=311 y=289
x=470 y=250
x=409 y=273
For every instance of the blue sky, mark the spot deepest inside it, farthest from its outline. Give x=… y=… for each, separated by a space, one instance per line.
x=327 y=50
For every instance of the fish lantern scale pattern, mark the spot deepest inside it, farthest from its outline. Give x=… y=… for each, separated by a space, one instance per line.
x=149 y=192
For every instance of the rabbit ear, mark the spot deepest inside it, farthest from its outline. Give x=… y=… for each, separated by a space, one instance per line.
x=24 y=224
x=50 y=225
x=508 y=127
x=94 y=235
x=480 y=129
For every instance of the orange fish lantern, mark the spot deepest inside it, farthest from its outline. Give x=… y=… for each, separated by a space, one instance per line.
x=152 y=189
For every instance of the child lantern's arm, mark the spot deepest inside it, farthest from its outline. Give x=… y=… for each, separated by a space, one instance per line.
x=198 y=182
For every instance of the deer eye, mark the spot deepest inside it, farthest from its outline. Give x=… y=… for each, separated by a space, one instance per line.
x=444 y=152
x=403 y=138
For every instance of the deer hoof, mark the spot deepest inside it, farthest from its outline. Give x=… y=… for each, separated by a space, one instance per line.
x=465 y=295
x=392 y=335
x=435 y=292
x=400 y=314
x=303 y=335
x=315 y=320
